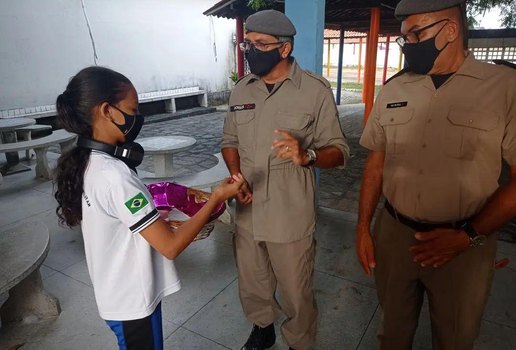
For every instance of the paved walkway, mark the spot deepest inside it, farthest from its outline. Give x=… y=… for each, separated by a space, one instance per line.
x=206 y=313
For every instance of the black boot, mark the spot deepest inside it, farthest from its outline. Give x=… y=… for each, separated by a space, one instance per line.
x=260 y=338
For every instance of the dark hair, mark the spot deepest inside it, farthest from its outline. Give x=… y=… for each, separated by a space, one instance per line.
x=86 y=90
x=287 y=39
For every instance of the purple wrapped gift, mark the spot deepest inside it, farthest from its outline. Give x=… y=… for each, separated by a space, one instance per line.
x=170 y=195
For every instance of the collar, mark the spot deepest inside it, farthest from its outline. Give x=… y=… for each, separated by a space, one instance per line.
x=294 y=75
x=470 y=67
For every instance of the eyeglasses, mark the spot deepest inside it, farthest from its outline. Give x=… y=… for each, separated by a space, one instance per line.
x=413 y=36
x=247 y=45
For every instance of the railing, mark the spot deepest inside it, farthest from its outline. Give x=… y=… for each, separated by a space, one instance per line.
x=493 y=44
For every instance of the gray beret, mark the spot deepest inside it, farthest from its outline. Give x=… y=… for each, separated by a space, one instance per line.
x=270 y=22
x=406 y=8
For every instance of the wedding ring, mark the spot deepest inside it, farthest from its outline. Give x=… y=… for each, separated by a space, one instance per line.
x=288 y=148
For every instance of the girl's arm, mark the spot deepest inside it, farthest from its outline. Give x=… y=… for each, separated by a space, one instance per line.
x=170 y=244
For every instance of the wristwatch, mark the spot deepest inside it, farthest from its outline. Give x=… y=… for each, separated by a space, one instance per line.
x=312 y=157
x=475 y=238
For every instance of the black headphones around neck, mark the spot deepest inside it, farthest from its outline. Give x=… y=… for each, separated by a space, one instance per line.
x=130 y=153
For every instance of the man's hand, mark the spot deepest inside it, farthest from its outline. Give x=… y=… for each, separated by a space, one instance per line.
x=245 y=195
x=365 y=250
x=439 y=246
x=289 y=148
x=230 y=188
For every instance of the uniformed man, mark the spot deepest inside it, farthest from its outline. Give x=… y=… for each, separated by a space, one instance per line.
x=437 y=135
x=282 y=122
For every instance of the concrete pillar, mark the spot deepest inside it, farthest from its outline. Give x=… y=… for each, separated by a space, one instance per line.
x=370 y=77
x=386 y=60
x=239 y=39
x=328 y=59
x=308 y=18
x=341 y=60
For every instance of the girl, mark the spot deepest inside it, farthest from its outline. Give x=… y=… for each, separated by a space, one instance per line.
x=128 y=246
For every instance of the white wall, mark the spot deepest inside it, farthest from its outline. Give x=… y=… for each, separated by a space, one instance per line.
x=158 y=44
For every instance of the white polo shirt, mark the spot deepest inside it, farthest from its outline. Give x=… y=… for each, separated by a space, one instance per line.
x=129 y=276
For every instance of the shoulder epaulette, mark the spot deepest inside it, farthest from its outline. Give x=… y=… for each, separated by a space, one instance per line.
x=318 y=77
x=505 y=63
x=400 y=73
x=242 y=78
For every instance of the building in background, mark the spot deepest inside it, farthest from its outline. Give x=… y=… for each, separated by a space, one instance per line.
x=159 y=45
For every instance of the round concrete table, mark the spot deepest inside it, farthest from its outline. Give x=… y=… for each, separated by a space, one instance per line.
x=8 y=135
x=22 y=296
x=162 y=149
x=9 y=124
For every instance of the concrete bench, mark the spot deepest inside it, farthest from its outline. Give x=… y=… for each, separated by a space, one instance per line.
x=22 y=297
x=40 y=146
x=25 y=134
x=209 y=178
x=169 y=96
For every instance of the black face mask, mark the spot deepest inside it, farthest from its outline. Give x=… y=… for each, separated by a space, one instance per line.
x=132 y=126
x=262 y=62
x=422 y=55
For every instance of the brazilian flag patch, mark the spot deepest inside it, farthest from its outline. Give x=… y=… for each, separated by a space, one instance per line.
x=136 y=203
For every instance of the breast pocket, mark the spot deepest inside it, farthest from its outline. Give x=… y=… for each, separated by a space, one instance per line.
x=397 y=129
x=245 y=128
x=466 y=130
x=297 y=124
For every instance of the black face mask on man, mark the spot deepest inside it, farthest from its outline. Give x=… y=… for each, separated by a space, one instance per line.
x=421 y=56
x=131 y=127
x=262 y=62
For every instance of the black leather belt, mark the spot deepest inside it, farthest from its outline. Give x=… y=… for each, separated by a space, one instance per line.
x=420 y=226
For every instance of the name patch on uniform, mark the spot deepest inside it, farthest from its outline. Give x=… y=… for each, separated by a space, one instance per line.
x=136 y=203
x=397 y=104
x=243 y=107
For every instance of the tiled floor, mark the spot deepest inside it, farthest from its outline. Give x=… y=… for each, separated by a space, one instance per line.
x=206 y=313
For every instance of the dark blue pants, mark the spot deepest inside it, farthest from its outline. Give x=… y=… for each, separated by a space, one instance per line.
x=142 y=334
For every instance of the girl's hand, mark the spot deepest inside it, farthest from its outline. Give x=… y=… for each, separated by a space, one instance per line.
x=229 y=188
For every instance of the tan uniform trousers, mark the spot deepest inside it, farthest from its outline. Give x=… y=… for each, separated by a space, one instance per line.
x=263 y=266
x=457 y=291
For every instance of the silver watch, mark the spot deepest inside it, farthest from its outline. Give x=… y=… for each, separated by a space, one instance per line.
x=312 y=157
x=475 y=238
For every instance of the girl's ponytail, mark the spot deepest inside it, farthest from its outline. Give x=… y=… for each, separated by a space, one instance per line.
x=88 y=89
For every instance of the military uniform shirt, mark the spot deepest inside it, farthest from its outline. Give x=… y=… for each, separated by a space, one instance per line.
x=444 y=148
x=283 y=207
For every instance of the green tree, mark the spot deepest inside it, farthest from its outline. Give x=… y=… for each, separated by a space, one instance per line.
x=259 y=4
x=478 y=8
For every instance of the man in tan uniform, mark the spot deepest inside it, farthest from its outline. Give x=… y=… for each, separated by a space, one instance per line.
x=437 y=135
x=282 y=123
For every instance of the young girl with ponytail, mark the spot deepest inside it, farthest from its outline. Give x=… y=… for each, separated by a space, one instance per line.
x=128 y=246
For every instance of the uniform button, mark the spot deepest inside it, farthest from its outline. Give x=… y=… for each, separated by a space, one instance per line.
x=471 y=121
x=429 y=120
x=424 y=145
x=420 y=171
x=418 y=196
x=392 y=119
